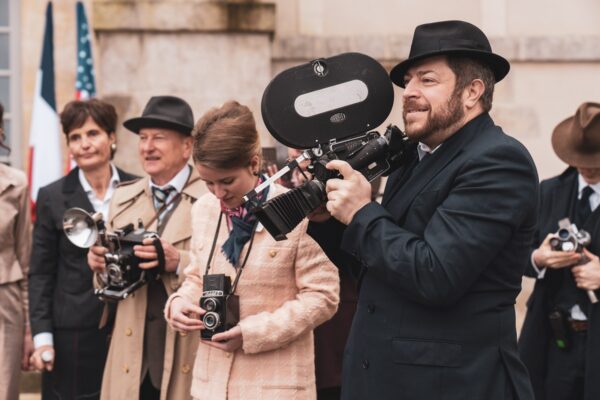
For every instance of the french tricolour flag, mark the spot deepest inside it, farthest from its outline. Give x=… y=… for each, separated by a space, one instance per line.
x=44 y=137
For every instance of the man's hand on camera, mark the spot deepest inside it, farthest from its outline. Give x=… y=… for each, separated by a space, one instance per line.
x=147 y=251
x=185 y=316
x=587 y=276
x=95 y=258
x=229 y=341
x=319 y=215
x=545 y=257
x=346 y=196
x=43 y=358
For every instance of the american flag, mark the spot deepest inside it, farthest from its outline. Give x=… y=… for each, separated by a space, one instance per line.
x=85 y=86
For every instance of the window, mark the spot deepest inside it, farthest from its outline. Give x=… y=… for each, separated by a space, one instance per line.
x=9 y=81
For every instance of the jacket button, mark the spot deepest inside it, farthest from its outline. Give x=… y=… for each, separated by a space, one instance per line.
x=183 y=334
x=128 y=332
x=185 y=368
x=365 y=364
x=371 y=308
x=272 y=253
x=125 y=369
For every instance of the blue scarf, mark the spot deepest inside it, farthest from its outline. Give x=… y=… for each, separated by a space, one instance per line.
x=242 y=222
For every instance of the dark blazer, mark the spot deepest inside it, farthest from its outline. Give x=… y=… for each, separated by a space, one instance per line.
x=557 y=197
x=441 y=261
x=61 y=295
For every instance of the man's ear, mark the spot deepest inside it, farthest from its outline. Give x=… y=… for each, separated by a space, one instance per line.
x=473 y=93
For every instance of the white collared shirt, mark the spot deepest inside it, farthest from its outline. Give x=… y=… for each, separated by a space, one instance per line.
x=423 y=150
x=594 y=197
x=101 y=205
x=178 y=182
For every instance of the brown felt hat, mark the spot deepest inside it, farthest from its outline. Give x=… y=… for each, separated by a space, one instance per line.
x=576 y=140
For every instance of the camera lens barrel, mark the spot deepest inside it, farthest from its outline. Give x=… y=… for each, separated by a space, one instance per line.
x=211 y=320
x=210 y=304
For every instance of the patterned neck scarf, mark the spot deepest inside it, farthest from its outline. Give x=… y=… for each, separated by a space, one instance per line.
x=242 y=222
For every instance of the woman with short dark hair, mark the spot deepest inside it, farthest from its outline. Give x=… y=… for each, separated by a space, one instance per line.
x=64 y=312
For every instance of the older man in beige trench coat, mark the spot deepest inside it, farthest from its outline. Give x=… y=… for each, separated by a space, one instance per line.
x=148 y=360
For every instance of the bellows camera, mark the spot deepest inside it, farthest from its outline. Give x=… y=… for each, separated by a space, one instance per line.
x=569 y=238
x=328 y=108
x=222 y=307
x=123 y=275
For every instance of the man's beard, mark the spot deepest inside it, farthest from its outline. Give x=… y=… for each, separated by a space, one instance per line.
x=440 y=120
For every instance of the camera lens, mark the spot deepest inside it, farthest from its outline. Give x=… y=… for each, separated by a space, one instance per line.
x=210 y=304
x=563 y=234
x=211 y=320
x=114 y=272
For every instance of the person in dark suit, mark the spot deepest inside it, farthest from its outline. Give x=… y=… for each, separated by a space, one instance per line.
x=64 y=312
x=567 y=370
x=441 y=258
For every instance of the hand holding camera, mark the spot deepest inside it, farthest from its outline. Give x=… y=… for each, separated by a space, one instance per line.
x=185 y=316
x=570 y=239
x=346 y=196
x=546 y=257
x=148 y=251
x=113 y=256
x=587 y=276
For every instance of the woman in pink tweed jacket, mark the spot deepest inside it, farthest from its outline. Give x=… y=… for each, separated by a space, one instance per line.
x=286 y=289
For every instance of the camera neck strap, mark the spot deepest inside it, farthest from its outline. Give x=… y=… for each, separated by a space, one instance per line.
x=212 y=253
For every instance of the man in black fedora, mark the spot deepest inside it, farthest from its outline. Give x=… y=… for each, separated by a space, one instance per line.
x=146 y=360
x=441 y=258
x=564 y=364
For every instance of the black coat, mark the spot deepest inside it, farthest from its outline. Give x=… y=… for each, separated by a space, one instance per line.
x=441 y=261
x=61 y=295
x=557 y=197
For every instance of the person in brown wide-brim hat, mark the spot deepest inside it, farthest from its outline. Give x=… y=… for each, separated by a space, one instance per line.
x=576 y=140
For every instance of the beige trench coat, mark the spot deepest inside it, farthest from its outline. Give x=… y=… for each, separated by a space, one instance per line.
x=121 y=380
x=15 y=245
x=286 y=289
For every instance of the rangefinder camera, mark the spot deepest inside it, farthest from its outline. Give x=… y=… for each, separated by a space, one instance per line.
x=222 y=307
x=123 y=275
x=569 y=238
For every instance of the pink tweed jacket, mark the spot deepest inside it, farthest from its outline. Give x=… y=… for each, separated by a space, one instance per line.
x=286 y=289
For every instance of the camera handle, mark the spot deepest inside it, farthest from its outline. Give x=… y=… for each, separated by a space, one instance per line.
x=160 y=253
x=306 y=155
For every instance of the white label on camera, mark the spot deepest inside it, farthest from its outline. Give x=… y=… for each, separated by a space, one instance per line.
x=331 y=98
x=213 y=293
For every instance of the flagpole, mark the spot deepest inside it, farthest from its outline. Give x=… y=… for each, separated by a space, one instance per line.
x=44 y=138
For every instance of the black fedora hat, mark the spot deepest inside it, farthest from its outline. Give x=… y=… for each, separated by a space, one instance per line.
x=167 y=112
x=450 y=37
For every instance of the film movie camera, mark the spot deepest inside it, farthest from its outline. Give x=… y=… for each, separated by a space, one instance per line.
x=325 y=107
x=221 y=305
x=569 y=238
x=123 y=275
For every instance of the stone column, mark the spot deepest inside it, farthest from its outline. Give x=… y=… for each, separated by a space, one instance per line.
x=203 y=51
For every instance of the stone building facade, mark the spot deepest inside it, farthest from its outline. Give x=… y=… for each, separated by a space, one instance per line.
x=209 y=51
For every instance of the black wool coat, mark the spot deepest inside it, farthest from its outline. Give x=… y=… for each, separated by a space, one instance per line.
x=441 y=262
x=557 y=197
